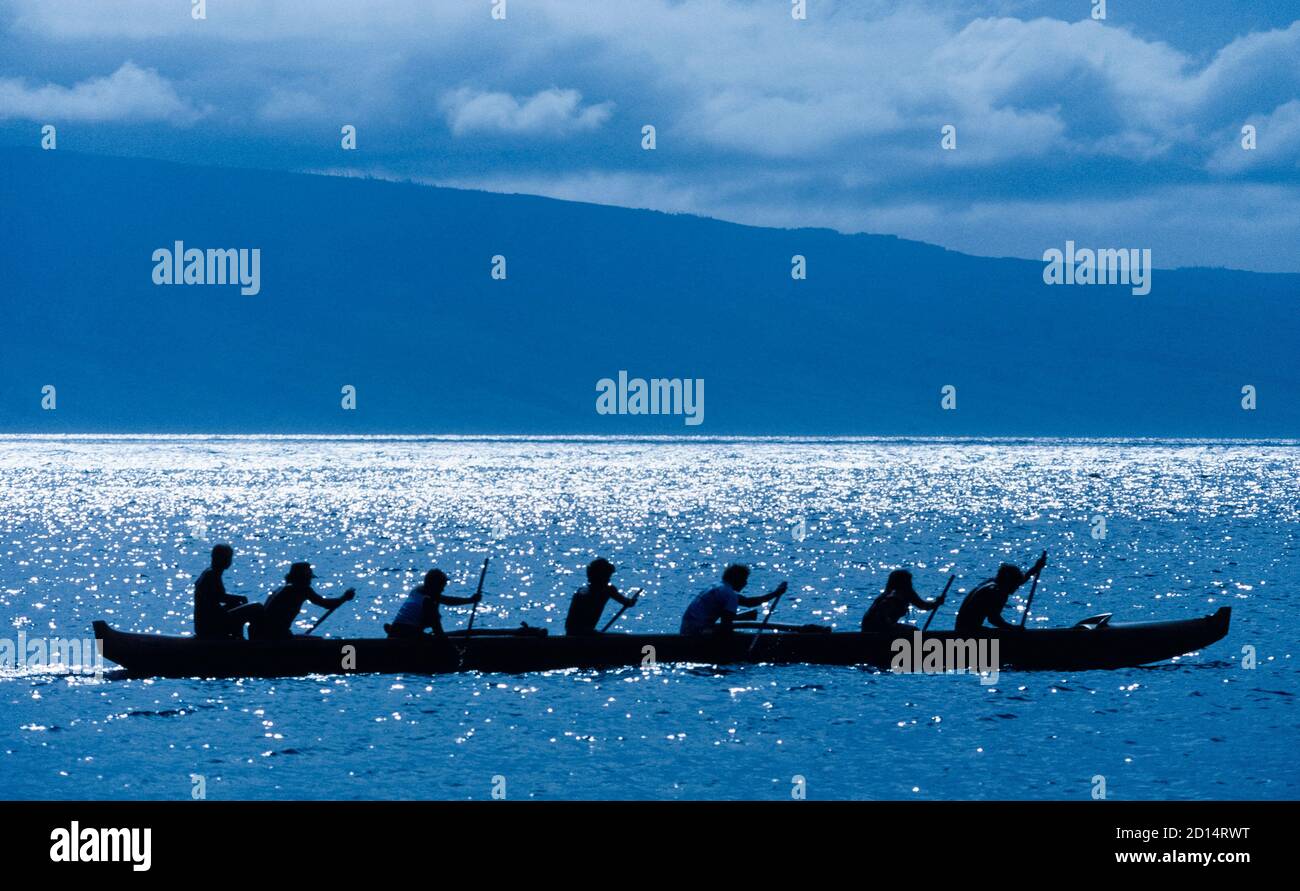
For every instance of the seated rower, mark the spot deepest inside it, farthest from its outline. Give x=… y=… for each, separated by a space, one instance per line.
x=217 y=614
x=888 y=610
x=987 y=600
x=283 y=606
x=719 y=605
x=421 y=607
x=590 y=600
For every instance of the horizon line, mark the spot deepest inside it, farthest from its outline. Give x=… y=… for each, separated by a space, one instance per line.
x=660 y=439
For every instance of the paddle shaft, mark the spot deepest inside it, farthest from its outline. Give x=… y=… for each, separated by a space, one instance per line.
x=636 y=595
x=329 y=612
x=474 y=609
x=1030 y=602
x=759 y=633
x=461 y=651
x=930 y=618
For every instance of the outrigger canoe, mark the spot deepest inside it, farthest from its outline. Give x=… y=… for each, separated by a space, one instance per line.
x=1094 y=643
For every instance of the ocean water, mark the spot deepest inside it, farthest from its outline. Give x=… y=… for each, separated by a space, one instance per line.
x=117 y=528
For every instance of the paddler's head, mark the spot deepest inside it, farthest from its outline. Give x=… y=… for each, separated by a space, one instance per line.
x=435 y=581
x=222 y=556
x=600 y=571
x=899 y=580
x=736 y=576
x=300 y=574
x=1009 y=577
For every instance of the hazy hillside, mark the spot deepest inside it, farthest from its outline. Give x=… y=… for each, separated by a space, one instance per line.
x=386 y=287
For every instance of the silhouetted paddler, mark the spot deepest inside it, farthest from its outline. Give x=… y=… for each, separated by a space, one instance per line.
x=421 y=610
x=216 y=613
x=987 y=600
x=718 y=606
x=590 y=600
x=888 y=610
x=283 y=606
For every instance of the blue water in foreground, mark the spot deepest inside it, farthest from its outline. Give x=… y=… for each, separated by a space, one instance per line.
x=117 y=528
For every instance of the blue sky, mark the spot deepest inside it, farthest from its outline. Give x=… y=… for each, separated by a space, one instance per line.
x=1119 y=133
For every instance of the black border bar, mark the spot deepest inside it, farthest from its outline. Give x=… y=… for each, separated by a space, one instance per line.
x=612 y=841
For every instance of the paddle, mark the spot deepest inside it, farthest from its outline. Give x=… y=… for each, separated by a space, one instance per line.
x=776 y=601
x=328 y=613
x=1032 y=589
x=473 y=610
x=930 y=618
x=636 y=595
x=461 y=651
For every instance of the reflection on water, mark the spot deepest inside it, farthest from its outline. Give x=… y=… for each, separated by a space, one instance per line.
x=117 y=529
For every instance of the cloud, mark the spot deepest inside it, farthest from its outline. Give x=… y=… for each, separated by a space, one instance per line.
x=548 y=113
x=1183 y=225
x=1277 y=144
x=249 y=21
x=1259 y=71
x=830 y=121
x=726 y=76
x=641 y=190
x=286 y=105
x=130 y=93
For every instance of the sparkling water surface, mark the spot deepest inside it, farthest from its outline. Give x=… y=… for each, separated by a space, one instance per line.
x=117 y=528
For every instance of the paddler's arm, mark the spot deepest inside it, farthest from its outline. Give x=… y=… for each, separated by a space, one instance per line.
x=449 y=600
x=916 y=601
x=748 y=616
x=995 y=619
x=1038 y=566
x=214 y=592
x=759 y=601
x=330 y=602
x=622 y=601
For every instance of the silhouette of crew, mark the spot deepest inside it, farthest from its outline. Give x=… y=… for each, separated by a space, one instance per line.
x=987 y=600
x=887 y=611
x=283 y=606
x=421 y=610
x=590 y=600
x=717 y=607
x=219 y=615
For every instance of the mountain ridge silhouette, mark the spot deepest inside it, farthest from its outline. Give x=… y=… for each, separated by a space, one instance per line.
x=386 y=286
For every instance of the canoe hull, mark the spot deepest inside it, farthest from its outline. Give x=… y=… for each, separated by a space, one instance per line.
x=1057 y=649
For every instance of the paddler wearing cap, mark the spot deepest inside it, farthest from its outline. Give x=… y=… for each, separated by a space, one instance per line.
x=987 y=600
x=590 y=600
x=420 y=610
x=283 y=606
x=888 y=610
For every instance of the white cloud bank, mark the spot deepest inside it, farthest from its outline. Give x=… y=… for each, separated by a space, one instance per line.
x=721 y=75
x=830 y=121
x=550 y=112
x=130 y=93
